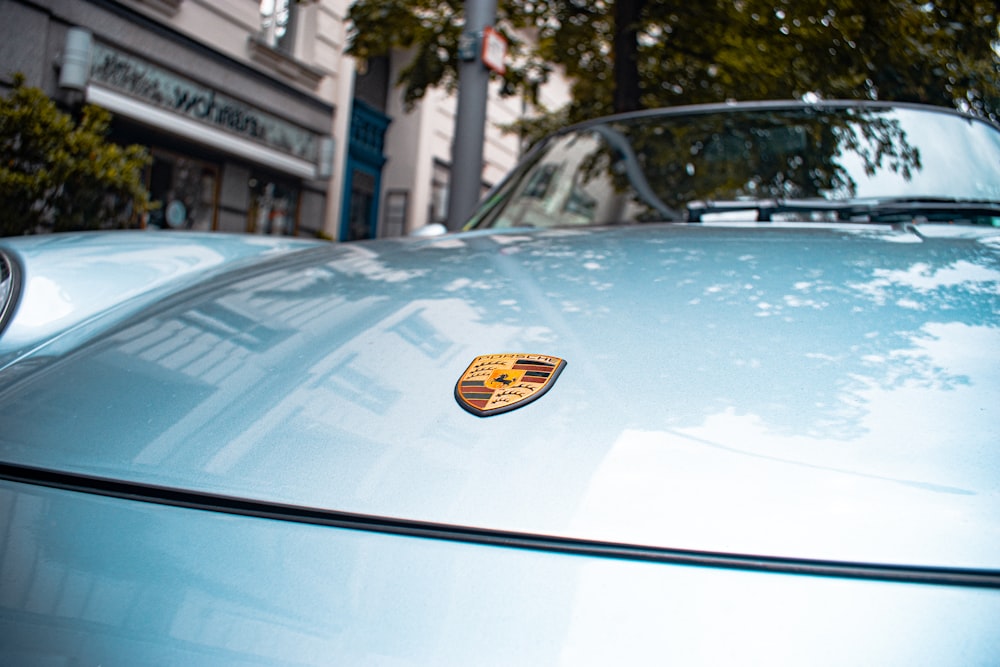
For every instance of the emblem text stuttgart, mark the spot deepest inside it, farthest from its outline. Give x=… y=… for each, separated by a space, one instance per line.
x=495 y=383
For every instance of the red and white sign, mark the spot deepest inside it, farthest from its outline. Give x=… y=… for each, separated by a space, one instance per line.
x=494 y=50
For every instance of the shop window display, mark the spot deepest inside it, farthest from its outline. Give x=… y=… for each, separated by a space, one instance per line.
x=273 y=207
x=184 y=193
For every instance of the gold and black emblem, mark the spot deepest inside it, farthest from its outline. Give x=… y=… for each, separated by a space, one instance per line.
x=495 y=383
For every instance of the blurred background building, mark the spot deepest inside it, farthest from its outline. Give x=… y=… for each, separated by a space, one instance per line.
x=256 y=120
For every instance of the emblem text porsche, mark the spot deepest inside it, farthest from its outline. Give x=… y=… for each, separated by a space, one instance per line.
x=495 y=383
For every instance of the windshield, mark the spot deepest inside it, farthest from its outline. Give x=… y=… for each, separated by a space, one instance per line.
x=801 y=162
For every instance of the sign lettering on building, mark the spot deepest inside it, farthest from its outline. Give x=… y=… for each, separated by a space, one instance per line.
x=153 y=85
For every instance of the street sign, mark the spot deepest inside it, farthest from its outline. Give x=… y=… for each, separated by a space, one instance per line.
x=494 y=50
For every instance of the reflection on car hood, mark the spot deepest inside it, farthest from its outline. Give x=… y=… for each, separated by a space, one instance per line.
x=813 y=392
x=74 y=277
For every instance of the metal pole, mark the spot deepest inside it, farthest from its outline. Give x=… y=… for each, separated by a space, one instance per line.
x=470 y=117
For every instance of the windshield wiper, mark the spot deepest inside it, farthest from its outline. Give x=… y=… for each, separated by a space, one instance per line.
x=895 y=209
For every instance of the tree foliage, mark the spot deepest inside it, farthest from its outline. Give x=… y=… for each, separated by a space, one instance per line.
x=59 y=174
x=627 y=54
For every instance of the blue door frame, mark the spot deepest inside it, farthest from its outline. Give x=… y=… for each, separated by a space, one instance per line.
x=364 y=154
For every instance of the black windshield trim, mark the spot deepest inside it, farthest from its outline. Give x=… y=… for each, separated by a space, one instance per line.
x=877 y=210
x=196 y=500
x=776 y=105
x=10 y=288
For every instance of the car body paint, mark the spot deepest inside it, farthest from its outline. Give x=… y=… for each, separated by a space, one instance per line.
x=846 y=427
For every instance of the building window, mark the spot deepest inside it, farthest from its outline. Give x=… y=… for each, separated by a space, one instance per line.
x=273 y=207
x=184 y=192
x=361 y=209
x=440 y=176
x=274 y=45
x=277 y=23
x=397 y=206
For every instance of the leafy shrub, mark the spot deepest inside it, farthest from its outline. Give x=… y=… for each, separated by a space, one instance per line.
x=57 y=174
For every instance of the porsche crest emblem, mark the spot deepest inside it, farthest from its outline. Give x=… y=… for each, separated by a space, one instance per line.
x=495 y=383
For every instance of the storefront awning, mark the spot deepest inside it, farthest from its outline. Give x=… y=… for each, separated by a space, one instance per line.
x=198 y=132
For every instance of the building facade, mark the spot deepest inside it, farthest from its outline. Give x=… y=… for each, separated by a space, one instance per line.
x=254 y=116
x=238 y=101
x=416 y=177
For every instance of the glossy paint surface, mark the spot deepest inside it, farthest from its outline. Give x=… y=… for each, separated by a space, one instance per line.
x=74 y=277
x=94 y=581
x=817 y=391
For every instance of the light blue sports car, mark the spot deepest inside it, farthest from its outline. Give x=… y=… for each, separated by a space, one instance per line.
x=711 y=385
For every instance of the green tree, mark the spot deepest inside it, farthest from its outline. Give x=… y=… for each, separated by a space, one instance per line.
x=622 y=55
x=59 y=174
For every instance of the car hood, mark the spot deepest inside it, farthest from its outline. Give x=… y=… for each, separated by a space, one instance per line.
x=72 y=278
x=818 y=392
